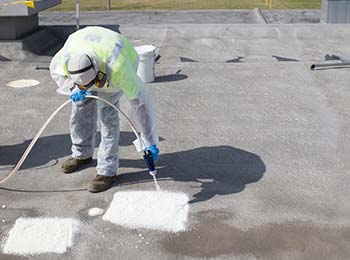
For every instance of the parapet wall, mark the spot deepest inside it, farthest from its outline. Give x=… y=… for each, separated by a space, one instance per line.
x=18 y=20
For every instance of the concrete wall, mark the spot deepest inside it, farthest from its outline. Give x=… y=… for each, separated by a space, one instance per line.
x=23 y=10
x=335 y=11
x=45 y=41
x=19 y=20
x=15 y=27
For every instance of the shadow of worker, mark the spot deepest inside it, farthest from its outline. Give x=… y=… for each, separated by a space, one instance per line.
x=48 y=149
x=220 y=170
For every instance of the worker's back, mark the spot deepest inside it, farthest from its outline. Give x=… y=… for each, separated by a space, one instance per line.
x=106 y=44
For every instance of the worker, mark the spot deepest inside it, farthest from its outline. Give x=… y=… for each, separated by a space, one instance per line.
x=101 y=62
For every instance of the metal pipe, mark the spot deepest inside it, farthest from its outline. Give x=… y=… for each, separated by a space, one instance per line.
x=77 y=14
x=329 y=65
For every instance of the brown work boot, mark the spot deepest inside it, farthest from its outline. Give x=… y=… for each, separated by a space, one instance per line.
x=101 y=183
x=71 y=164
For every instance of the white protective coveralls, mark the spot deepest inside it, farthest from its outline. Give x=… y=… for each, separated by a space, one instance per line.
x=114 y=56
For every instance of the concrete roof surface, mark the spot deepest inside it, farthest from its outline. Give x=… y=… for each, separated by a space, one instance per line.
x=257 y=140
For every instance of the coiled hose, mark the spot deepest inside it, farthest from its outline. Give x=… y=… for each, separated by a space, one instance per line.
x=41 y=130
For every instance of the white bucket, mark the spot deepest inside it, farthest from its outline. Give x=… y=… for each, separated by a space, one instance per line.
x=145 y=70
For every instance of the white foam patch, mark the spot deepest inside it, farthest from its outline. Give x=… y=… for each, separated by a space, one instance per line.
x=156 y=210
x=32 y=236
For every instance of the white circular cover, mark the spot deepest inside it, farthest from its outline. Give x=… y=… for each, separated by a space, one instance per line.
x=23 y=83
x=93 y=212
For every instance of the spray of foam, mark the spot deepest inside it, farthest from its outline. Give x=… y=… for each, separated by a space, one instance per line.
x=156 y=183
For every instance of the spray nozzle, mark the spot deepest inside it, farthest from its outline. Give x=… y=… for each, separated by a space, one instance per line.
x=147 y=156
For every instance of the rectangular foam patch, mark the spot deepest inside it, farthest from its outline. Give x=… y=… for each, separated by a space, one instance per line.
x=156 y=210
x=32 y=236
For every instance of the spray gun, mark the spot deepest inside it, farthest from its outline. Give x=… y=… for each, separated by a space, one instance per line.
x=147 y=156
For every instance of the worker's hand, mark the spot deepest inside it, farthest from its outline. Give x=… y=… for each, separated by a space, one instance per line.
x=154 y=151
x=79 y=95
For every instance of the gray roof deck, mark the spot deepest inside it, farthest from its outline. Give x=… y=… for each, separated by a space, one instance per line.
x=257 y=140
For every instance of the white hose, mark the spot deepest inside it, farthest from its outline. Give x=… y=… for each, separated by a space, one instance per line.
x=41 y=130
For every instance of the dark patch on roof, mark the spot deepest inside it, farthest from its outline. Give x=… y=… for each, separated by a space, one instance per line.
x=279 y=58
x=184 y=59
x=235 y=60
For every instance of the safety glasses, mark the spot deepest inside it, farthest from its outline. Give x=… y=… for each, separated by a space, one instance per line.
x=99 y=81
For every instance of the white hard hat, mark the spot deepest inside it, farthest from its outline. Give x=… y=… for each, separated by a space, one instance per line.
x=81 y=68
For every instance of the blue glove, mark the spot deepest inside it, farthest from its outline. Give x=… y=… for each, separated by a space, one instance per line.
x=79 y=95
x=154 y=151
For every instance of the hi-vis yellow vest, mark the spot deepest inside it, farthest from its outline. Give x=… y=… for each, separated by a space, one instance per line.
x=117 y=56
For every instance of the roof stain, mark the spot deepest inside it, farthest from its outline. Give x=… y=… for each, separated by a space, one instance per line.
x=212 y=237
